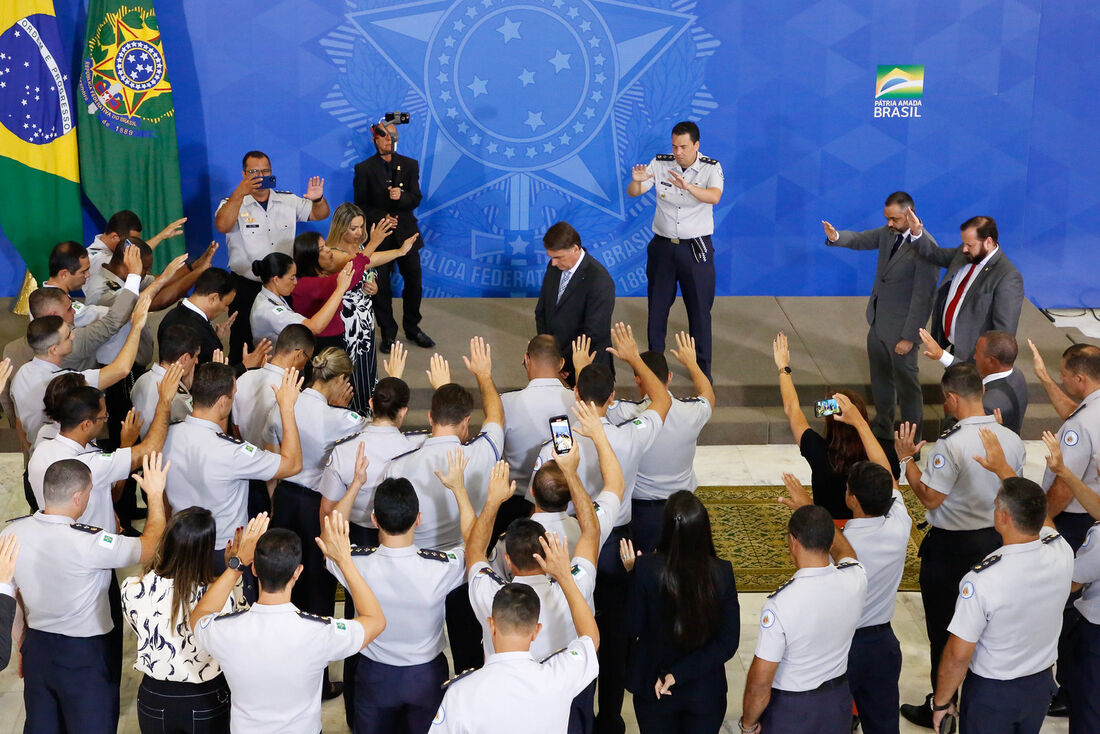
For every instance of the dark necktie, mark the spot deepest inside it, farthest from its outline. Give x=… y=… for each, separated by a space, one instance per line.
x=897 y=243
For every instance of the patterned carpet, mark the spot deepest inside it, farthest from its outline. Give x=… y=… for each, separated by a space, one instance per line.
x=750 y=531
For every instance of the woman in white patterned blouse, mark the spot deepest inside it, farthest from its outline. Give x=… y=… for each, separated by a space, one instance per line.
x=183 y=690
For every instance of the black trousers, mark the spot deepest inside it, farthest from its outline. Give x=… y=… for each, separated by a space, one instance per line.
x=824 y=710
x=1084 y=679
x=874 y=669
x=895 y=382
x=1073 y=526
x=463 y=630
x=610 y=597
x=945 y=557
x=1015 y=706
x=68 y=685
x=117 y=400
x=667 y=266
x=684 y=712
x=393 y=699
x=582 y=714
x=646 y=517
x=240 y=333
x=172 y=707
x=298 y=509
x=411 y=295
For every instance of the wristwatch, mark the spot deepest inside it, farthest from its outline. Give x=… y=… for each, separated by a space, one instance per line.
x=235 y=564
x=940 y=708
x=786 y=369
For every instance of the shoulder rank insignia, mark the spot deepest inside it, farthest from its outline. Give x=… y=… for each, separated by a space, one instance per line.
x=314 y=617
x=420 y=432
x=690 y=400
x=363 y=550
x=556 y=652
x=1076 y=410
x=1051 y=538
x=500 y=538
x=227 y=437
x=401 y=456
x=92 y=529
x=951 y=430
x=433 y=555
x=846 y=564
x=229 y=615
x=286 y=192
x=665 y=157
x=706 y=160
x=460 y=676
x=493 y=575
x=345 y=439
x=24 y=517
x=989 y=561
x=782 y=586
x=113 y=285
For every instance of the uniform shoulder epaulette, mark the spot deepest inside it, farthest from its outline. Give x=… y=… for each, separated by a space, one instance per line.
x=690 y=400
x=363 y=550
x=665 y=157
x=500 y=538
x=113 y=285
x=418 y=432
x=175 y=422
x=1052 y=537
x=227 y=437
x=230 y=615
x=314 y=617
x=92 y=529
x=433 y=555
x=345 y=439
x=509 y=392
x=846 y=564
x=493 y=575
x=24 y=517
x=285 y=192
x=631 y=402
x=460 y=676
x=979 y=567
x=402 y=456
x=1077 y=410
x=782 y=586
x=470 y=442
x=556 y=652
x=951 y=430
x=710 y=161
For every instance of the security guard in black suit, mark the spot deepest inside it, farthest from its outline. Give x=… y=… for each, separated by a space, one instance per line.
x=388 y=185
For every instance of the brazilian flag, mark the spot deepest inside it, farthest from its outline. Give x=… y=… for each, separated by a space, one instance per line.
x=129 y=157
x=39 y=174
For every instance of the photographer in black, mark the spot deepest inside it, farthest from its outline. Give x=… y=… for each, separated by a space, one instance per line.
x=388 y=185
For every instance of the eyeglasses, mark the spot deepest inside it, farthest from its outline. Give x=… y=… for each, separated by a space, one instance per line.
x=258 y=171
x=100 y=418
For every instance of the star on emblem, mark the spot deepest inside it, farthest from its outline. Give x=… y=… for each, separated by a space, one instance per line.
x=527 y=77
x=534 y=120
x=477 y=86
x=560 y=61
x=509 y=30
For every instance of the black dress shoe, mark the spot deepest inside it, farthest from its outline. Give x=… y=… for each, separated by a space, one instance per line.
x=385 y=346
x=334 y=690
x=421 y=339
x=1058 y=706
x=919 y=714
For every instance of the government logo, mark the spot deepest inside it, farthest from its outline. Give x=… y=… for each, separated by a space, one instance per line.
x=899 y=91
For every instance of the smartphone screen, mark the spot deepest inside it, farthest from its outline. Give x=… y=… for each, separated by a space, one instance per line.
x=826 y=407
x=562 y=434
x=267 y=182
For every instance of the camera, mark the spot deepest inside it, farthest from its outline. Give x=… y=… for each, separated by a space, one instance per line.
x=397 y=118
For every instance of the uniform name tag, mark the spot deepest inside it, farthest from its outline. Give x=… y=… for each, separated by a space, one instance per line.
x=251 y=226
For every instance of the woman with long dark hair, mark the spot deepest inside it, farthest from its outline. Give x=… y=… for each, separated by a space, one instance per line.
x=271 y=312
x=183 y=689
x=683 y=621
x=831 y=456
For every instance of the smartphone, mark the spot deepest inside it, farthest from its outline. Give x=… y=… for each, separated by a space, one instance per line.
x=267 y=182
x=561 y=433
x=826 y=407
x=371 y=275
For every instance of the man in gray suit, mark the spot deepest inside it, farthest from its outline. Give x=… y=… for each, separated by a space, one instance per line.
x=982 y=290
x=901 y=299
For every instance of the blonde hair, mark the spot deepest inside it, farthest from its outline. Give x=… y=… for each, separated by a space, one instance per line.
x=342 y=218
x=330 y=364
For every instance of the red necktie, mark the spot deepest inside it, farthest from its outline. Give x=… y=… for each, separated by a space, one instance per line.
x=949 y=314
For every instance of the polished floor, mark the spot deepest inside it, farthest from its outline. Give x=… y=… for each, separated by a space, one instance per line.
x=733 y=465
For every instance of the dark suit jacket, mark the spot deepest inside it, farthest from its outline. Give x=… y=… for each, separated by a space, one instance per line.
x=372 y=195
x=1010 y=395
x=901 y=297
x=992 y=303
x=7 y=615
x=208 y=338
x=653 y=653
x=584 y=308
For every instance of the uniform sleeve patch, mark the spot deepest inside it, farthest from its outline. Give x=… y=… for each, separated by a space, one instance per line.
x=314 y=617
x=767 y=619
x=354 y=417
x=1071 y=438
x=440 y=715
x=939 y=461
x=967 y=590
x=278 y=309
x=340 y=626
x=248 y=448
x=107 y=540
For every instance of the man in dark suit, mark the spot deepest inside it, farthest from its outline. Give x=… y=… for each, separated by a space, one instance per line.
x=577 y=297
x=982 y=290
x=214 y=291
x=901 y=299
x=994 y=356
x=9 y=551
x=387 y=185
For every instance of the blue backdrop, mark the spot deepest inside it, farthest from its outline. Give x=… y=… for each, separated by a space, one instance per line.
x=524 y=113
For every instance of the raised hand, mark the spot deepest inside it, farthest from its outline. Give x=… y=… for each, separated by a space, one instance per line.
x=932 y=349
x=177 y=264
x=316 y=189
x=131 y=429
x=798 y=496
x=344 y=393
x=781 y=352
x=222 y=329
x=455 y=478
x=569 y=461
x=439 y=371
x=623 y=345
x=286 y=394
x=639 y=173
x=830 y=231
x=905 y=440
x=154 y=475
x=175 y=229
x=1040 y=365
x=554 y=559
x=246 y=547
x=141 y=310
x=848 y=413
x=344 y=278
x=500 y=489
x=258 y=356
x=218 y=357
x=170 y=383
x=203 y=263
x=677 y=180
x=480 y=361
x=394 y=364
x=131 y=259
x=362 y=463
x=380 y=230
x=685 y=352
x=9 y=552
x=407 y=245
x=627 y=554
x=250 y=184
x=582 y=353
x=1054 y=453
x=994 y=459
x=335 y=540
x=591 y=424
x=916 y=228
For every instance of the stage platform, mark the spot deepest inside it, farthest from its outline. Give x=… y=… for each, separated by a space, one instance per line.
x=827 y=341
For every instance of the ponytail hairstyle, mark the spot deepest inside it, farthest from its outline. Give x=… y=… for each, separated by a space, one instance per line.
x=330 y=364
x=686 y=579
x=273 y=265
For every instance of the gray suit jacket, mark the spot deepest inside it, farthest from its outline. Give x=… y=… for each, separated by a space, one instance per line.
x=992 y=303
x=1010 y=395
x=901 y=297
